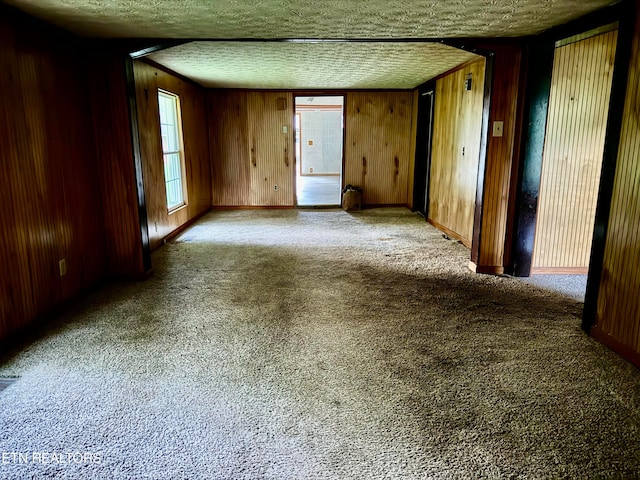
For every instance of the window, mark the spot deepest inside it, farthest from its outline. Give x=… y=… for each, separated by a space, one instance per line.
x=169 y=105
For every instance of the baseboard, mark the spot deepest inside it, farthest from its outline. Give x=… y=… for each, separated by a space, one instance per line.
x=559 y=270
x=450 y=233
x=384 y=205
x=486 y=269
x=616 y=345
x=185 y=225
x=253 y=207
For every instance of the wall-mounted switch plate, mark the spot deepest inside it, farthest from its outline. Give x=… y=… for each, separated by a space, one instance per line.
x=62 y=266
x=285 y=129
x=498 y=129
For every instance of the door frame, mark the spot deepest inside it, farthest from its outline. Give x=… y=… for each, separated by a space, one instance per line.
x=424 y=144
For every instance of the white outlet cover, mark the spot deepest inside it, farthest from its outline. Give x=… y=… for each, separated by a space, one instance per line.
x=498 y=129
x=285 y=129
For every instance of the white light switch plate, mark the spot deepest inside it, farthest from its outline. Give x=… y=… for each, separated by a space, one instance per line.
x=285 y=129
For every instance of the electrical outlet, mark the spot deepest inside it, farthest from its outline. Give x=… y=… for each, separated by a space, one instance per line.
x=498 y=129
x=62 y=266
x=275 y=188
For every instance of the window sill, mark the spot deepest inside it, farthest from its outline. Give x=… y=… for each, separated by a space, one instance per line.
x=177 y=209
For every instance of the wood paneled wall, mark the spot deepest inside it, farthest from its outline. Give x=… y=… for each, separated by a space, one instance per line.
x=456 y=150
x=114 y=154
x=378 y=144
x=251 y=153
x=493 y=252
x=618 y=312
x=148 y=80
x=50 y=209
x=572 y=158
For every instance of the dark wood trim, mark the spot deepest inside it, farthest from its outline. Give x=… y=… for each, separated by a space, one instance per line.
x=599 y=18
x=450 y=233
x=530 y=168
x=168 y=71
x=312 y=93
x=615 y=345
x=463 y=43
x=137 y=160
x=482 y=163
x=609 y=161
x=507 y=259
x=154 y=46
x=468 y=45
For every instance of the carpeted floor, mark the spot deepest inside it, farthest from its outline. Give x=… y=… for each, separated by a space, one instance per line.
x=318 y=344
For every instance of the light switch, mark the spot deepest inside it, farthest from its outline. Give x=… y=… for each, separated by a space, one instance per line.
x=285 y=129
x=498 y=129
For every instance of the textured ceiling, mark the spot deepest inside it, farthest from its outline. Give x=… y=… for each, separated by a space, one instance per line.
x=306 y=18
x=307 y=65
x=311 y=65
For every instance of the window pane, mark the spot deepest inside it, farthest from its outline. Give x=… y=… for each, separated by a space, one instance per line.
x=169 y=131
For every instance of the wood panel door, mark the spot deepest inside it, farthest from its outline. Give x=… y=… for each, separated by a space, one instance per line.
x=573 y=151
x=457 y=131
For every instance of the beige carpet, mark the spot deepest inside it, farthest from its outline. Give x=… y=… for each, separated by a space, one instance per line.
x=319 y=344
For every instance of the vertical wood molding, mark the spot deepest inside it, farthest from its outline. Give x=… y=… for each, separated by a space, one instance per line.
x=137 y=164
x=482 y=162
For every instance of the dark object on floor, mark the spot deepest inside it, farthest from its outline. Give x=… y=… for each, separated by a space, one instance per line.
x=351 y=198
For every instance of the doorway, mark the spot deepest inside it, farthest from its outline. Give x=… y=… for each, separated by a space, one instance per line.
x=573 y=151
x=319 y=134
x=423 y=150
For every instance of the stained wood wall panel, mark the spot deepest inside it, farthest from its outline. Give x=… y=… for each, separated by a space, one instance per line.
x=456 y=150
x=228 y=126
x=48 y=183
x=271 y=151
x=500 y=158
x=250 y=152
x=378 y=145
x=572 y=158
x=117 y=180
x=148 y=80
x=618 y=312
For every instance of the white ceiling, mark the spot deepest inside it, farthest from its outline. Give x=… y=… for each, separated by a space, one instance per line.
x=330 y=65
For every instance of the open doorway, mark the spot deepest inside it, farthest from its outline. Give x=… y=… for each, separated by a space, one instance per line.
x=572 y=159
x=319 y=125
